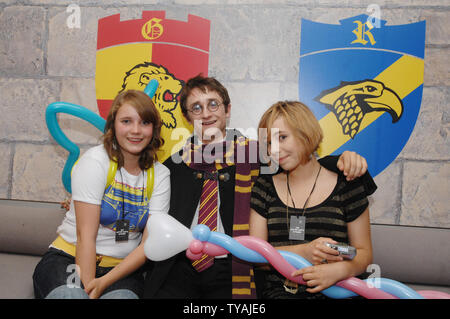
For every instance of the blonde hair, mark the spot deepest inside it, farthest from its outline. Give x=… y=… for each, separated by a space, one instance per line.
x=300 y=120
x=144 y=106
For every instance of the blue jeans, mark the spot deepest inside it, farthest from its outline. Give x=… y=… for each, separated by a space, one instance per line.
x=69 y=292
x=55 y=277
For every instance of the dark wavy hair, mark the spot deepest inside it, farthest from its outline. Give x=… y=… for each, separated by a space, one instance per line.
x=144 y=106
x=203 y=83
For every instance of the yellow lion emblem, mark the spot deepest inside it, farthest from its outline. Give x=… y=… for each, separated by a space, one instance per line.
x=169 y=88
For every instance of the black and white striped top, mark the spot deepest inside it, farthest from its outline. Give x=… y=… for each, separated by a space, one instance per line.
x=347 y=202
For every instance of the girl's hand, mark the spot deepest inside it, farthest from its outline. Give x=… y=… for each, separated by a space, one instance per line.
x=318 y=253
x=95 y=288
x=320 y=277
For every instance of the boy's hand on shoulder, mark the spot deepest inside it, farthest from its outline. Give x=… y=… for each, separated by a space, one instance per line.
x=352 y=165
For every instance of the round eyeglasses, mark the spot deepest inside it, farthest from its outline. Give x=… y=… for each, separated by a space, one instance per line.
x=197 y=108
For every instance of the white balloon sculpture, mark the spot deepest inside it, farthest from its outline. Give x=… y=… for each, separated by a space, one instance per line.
x=166 y=237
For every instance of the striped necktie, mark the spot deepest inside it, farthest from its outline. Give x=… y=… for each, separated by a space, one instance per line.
x=207 y=216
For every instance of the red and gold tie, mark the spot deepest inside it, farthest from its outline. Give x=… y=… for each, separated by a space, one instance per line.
x=207 y=216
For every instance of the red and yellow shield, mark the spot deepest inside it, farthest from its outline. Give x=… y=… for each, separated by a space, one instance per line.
x=131 y=53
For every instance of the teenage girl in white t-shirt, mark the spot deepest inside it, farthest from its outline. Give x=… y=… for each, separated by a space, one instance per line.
x=99 y=249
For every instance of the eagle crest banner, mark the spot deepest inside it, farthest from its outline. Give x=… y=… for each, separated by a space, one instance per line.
x=133 y=52
x=363 y=80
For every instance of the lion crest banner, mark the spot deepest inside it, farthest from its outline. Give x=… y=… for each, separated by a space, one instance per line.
x=133 y=52
x=363 y=80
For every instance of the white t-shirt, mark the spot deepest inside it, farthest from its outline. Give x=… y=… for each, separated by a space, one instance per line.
x=126 y=196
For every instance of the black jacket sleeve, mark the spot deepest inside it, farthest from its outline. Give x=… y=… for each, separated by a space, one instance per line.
x=330 y=163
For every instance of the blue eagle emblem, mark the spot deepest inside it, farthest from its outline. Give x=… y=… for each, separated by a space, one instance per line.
x=363 y=80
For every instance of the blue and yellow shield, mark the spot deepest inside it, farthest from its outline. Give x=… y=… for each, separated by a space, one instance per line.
x=363 y=80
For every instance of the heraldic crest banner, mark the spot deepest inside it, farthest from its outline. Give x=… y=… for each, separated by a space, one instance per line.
x=133 y=52
x=363 y=80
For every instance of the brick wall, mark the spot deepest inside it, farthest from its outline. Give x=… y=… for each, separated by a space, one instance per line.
x=254 y=52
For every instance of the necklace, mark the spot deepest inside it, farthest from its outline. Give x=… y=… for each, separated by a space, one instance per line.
x=122 y=224
x=292 y=200
x=296 y=227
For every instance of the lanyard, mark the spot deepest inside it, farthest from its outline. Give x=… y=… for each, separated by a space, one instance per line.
x=292 y=200
x=123 y=193
x=123 y=225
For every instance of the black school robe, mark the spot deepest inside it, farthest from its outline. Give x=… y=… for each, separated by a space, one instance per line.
x=185 y=195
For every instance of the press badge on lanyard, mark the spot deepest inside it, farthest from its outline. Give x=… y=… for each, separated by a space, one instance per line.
x=123 y=225
x=122 y=230
x=297 y=228
x=297 y=224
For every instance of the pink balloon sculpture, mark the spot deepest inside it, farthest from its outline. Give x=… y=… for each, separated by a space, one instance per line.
x=274 y=257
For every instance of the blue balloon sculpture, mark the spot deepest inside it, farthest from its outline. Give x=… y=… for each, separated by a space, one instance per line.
x=85 y=114
x=203 y=234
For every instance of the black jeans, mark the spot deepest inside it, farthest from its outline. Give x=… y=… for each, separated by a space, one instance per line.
x=56 y=268
x=184 y=282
